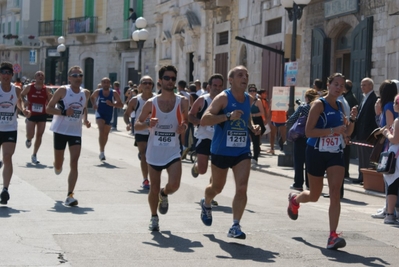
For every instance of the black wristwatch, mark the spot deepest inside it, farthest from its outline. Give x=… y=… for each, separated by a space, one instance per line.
x=228 y=115
x=351 y=120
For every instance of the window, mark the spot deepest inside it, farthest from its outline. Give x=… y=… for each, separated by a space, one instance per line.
x=223 y=38
x=273 y=26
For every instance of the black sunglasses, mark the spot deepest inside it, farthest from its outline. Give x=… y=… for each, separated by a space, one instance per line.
x=6 y=72
x=76 y=75
x=252 y=90
x=167 y=78
x=147 y=83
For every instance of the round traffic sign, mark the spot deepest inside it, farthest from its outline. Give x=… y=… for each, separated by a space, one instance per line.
x=17 y=68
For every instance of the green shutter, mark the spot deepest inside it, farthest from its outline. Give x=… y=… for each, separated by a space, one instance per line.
x=17 y=28
x=139 y=8
x=9 y=27
x=58 y=17
x=89 y=8
x=126 y=24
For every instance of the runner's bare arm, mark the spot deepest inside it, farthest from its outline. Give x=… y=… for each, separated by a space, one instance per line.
x=130 y=107
x=58 y=95
x=142 y=123
x=211 y=115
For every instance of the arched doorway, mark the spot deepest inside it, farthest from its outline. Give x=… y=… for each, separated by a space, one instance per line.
x=342 y=54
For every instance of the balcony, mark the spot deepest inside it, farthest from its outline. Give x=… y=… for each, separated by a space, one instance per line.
x=14 y=6
x=49 y=31
x=83 y=28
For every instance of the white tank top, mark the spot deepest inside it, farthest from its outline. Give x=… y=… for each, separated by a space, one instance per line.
x=8 y=114
x=140 y=103
x=204 y=132
x=163 y=143
x=70 y=125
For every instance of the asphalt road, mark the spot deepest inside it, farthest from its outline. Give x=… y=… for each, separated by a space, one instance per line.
x=110 y=225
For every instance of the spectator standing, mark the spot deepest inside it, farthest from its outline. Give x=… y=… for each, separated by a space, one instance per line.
x=278 y=129
x=132 y=17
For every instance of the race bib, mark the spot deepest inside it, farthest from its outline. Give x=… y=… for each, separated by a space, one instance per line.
x=236 y=139
x=165 y=139
x=75 y=116
x=37 y=108
x=210 y=129
x=6 y=118
x=330 y=144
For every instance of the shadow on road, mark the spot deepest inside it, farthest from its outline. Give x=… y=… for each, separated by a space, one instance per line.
x=60 y=207
x=243 y=252
x=37 y=166
x=6 y=212
x=140 y=191
x=345 y=257
x=107 y=165
x=165 y=239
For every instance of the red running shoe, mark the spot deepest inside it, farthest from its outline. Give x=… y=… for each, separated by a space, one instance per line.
x=292 y=209
x=335 y=242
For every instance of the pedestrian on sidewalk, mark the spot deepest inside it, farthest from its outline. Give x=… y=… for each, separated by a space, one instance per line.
x=300 y=143
x=326 y=129
x=11 y=96
x=37 y=97
x=230 y=114
x=136 y=105
x=105 y=101
x=169 y=117
x=69 y=107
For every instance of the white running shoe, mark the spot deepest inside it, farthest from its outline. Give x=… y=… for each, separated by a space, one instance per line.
x=102 y=156
x=57 y=171
x=28 y=143
x=71 y=201
x=34 y=159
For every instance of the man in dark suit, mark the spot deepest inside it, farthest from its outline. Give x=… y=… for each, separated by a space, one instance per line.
x=365 y=124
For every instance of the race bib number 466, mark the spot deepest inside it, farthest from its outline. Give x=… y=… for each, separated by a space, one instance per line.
x=236 y=139
x=165 y=139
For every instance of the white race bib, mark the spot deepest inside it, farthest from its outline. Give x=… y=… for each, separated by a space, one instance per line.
x=37 y=108
x=330 y=144
x=75 y=116
x=236 y=138
x=165 y=139
x=6 y=118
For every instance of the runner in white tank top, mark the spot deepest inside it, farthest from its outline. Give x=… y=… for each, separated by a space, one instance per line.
x=69 y=107
x=136 y=104
x=168 y=122
x=10 y=99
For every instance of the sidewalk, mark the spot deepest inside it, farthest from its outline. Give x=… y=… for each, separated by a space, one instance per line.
x=266 y=163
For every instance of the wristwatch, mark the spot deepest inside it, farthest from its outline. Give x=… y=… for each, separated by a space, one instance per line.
x=228 y=115
x=352 y=120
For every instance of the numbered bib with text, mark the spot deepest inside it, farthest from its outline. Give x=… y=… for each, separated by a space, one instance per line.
x=75 y=116
x=6 y=117
x=236 y=139
x=165 y=139
x=37 y=108
x=330 y=144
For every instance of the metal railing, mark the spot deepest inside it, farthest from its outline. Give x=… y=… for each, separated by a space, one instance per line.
x=52 y=28
x=82 y=25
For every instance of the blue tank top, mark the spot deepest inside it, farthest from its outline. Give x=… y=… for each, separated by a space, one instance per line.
x=388 y=106
x=330 y=118
x=102 y=107
x=231 y=138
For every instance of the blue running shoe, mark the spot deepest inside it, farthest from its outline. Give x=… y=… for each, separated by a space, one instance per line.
x=206 y=213
x=145 y=184
x=235 y=232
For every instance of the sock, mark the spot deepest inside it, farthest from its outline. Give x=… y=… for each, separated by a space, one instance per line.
x=294 y=201
x=236 y=222
x=69 y=194
x=156 y=215
x=5 y=188
x=162 y=193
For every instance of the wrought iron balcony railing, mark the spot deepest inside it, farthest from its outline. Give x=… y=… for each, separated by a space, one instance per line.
x=52 y=28
x=82 y=25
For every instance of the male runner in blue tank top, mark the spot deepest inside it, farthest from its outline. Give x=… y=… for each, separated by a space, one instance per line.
x=230 y=114
x=103 y=101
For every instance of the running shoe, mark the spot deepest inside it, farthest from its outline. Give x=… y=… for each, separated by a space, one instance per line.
x=214 y=203
x=335 y=242
x=28 y=143
x=235 y=232
x=380 y=214
x=163 y=204
x=145 y=184
x=34 y=159
x=206 y=213
x=102 y=156
x=154 y=224
x=390 y=219
x=292 y=209
x=185 y=152
x=71 y=201
x=4 y=196
x=194 y=171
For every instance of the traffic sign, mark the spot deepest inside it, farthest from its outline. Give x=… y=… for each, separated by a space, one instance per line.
x=17 y=68
x=280 y=98
x=290 y=73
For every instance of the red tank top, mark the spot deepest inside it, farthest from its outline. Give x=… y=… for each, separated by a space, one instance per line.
x=37 y=100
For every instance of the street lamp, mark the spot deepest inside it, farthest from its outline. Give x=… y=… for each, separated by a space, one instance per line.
x=60 y=49
x=140 y=36
x=295 y=10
